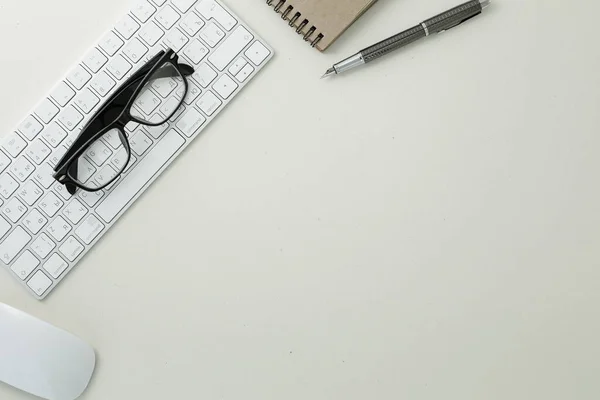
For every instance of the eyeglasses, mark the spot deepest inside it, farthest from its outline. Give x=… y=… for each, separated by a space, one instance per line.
x=102 y=152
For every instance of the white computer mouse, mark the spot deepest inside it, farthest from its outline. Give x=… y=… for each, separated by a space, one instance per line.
x=42 y=359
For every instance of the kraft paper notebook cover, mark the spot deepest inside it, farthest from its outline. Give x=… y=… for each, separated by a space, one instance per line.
x=320 y=22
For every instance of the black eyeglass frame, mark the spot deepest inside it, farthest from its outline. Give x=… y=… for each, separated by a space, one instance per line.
x=87 y=137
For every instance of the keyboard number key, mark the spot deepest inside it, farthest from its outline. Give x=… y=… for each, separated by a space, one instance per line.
x=24 y=265
x=86 y=101
x=183 y=5
x=192 y=24
x=79 y=77
x=70 y=117
x=39 y=283
x=62 y=94
x=38 y=152
x=22 y=168
x=43 y=245
x=167 y=17
x=95 y=60
x=143 y=10
x=111 y=43
x=102 y=83
x=54 y=134
x=71 y=248
x=127 y=27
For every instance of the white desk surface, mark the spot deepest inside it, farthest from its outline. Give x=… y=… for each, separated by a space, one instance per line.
x=425 y=228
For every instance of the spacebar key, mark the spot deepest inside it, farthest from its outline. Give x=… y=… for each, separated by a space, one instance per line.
x=139 y=176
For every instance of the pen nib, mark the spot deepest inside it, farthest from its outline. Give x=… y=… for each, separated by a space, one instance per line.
x=329 y=72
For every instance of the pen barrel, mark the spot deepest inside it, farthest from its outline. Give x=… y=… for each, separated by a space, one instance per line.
x=453 y=17
x=393 y=43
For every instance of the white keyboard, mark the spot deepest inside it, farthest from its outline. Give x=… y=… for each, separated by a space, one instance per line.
x=44 y=231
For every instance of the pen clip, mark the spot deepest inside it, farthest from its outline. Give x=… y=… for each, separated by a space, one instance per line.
x=460 y=22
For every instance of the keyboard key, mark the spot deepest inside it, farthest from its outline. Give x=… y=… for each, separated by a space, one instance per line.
x=14 y=144
x=13 y=244
x=160 y=2
x=151 y=33
x=35 y=221
x=167 y=17
x=209 y=103
x=195 y=51
x=62 y=94
x=43 y=175
x=30 y=127
x=112 y=139
x=46 y=110
x=119 y=159
x=4 y=227
x=86 y=101
x=75 y=211
x=54 y=134
x=143 y=11
x=57 y=156
x=24 y=265
x=95 y=60
x=111 y=43
x=14 y=209
x=39 y=283
x=164 y=87
x=70 y=117
x=204 y=75
x=91 y=198
x=237 y=66
x=140 y=143
x=102 y=83
x=191 y=121
x=4 y=161
x=135 y=50
x=106 y=174
x=79 y=77
x=55 y=266
x=43 y=245
x=98 y=153
x=7 y=185
x=127 y=26
x=212 y=34
x=61 y=190
x=71 y=248
x=225 y=86
x=156 y=158
x=175 y=40
x=22 y=168
x=30 y=192
x=211 y=9
x=192 y=24
x=147 y=102
x=118 y=67
x=59 y=228
x=89 y=229
x=245 y=73
x=183 y=5
x=50 y=204
x=257 y=53
x=231 y=47
x=193 y=93
x=38 y=151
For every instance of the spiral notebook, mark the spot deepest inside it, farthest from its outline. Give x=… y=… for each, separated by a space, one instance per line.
x=320 y=22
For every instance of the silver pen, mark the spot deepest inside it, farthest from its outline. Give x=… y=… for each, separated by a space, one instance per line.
x=437 y=24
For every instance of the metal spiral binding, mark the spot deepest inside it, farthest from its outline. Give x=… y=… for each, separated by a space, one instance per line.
x=293 y=19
